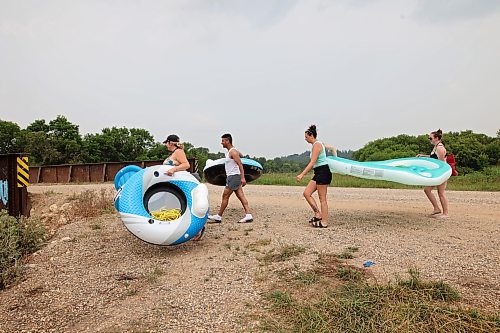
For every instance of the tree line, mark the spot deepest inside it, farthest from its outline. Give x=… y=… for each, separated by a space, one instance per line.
x=59 y=142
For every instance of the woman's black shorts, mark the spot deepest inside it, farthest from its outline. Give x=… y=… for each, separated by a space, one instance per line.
x=322 y=175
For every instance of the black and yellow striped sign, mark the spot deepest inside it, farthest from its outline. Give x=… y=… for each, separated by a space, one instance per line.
x=23 y=172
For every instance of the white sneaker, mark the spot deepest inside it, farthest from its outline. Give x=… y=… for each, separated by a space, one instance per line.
x=247 y=219
x=215 y=218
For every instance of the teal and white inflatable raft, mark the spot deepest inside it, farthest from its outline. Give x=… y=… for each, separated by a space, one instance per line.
x=143 y=191
x=421 y=171
x=215 y=172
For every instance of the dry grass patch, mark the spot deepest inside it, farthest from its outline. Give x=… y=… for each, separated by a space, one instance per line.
x=154 y=274
x=283 y=253
x=256 y=246
x=90 y=204
x=339 y=299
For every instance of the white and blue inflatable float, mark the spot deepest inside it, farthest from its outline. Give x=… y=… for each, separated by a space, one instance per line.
x=141 y=191
x=421 y=171
x=215 y=172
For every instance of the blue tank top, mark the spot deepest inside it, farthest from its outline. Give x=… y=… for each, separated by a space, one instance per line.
x=321 y=157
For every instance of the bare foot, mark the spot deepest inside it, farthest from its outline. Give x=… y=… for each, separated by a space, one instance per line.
x=199 y=235
x=440 y=216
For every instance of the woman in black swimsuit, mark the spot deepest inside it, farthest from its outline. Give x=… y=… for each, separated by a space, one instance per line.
x=179 y=161
x=178 y=157
x=439 y=152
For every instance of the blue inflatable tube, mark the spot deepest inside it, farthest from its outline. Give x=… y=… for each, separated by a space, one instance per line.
x=142 y=191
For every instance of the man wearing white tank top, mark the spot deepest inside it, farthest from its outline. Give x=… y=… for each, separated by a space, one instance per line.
x=234 y=182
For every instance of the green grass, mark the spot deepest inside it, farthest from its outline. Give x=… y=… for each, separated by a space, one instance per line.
x=438 y=290
x=309 y=277
x=348 y=253
x=346 y=302
x=349 y=274
x=486 y=180
x=284 y=253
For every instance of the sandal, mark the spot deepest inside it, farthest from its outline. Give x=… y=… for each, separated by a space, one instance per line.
x=434 y=213
x=314 y=219
x=318 y=224
x=199 y=235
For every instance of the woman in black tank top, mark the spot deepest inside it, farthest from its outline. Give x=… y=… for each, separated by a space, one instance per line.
x=177 y=158
x=439 y=153
x=322 y=178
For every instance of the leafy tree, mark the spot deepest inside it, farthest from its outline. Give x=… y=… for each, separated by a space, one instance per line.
x=345 y=153
x=200 y=153
x=66 y=140
x=493 y=151
x=9 y=134
x=41 y=148
x=38 y=125
x=55 y=143
x=118 y=144
x=470 y=150
x=395 y=147
x=158 y=151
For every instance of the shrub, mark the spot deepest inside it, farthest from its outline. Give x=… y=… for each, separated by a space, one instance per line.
x=18 y=237
x=91 y=203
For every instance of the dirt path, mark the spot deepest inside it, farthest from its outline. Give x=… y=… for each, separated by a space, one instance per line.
x=94 y=276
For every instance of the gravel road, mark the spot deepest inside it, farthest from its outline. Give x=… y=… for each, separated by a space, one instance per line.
x=94 y=276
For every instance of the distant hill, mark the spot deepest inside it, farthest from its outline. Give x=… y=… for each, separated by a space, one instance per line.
x=304 y=157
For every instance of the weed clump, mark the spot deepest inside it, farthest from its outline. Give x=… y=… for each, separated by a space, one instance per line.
x=18 y=237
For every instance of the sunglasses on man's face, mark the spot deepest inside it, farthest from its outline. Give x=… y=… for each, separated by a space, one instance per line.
x=430 y=138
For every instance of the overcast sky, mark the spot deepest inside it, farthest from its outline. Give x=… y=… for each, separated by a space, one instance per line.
x=262 y=70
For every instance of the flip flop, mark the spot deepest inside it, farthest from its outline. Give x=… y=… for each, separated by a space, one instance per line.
x=434 y=214
x=318 y=224
x=314 y=219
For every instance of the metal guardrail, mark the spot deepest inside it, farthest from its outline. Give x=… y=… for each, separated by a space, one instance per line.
x=89 y=172
x=14 y=171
